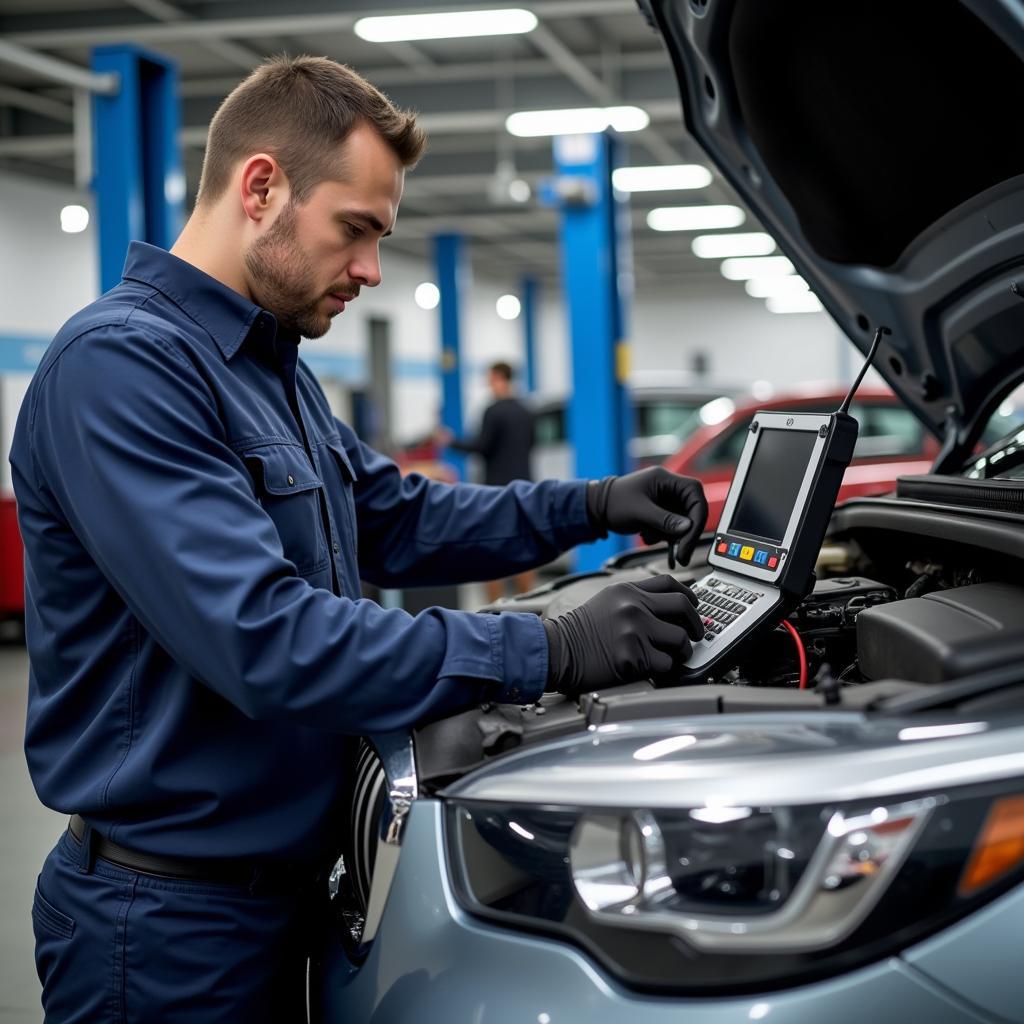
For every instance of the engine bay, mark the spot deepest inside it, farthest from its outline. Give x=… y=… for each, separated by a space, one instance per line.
x=908 y=596
x=894 y=610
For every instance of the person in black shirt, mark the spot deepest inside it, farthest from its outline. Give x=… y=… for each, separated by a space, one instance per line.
x=504 y=443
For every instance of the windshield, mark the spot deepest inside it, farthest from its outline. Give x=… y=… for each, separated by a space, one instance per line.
x=1003 y=441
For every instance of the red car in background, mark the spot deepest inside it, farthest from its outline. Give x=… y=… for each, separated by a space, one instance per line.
x=892 y=442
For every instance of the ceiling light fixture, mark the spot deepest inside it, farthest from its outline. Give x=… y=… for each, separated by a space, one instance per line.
x=661 y=179
x=507 y=307
x=427 y=295
x=445 y=25
x=767 y=287
x=695 y=218
x=751 y=243
x=527 y=124
x=742 y=268
x=74 y=219
x=805 y=302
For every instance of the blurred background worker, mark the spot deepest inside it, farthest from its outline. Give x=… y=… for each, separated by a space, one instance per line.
x=504 y=443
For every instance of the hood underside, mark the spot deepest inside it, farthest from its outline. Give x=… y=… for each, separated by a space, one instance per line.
x=878 y=142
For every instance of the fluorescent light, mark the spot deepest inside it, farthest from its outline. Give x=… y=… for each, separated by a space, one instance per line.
x=427 y=295
x=445 y=25
x=74 y=219
x=766 y=287
x=744 y=267
x=576 y=121
x=695 y=218
x=803 y=302
x=507 y=307
x=751 y=243
x=660 y=179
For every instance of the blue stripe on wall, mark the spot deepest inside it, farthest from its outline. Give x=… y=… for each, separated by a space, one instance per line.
x=20 y=353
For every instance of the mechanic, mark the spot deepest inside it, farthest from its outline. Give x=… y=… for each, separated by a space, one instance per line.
x=196 y=523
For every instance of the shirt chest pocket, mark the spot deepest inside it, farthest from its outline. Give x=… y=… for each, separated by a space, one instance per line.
x=289 y=489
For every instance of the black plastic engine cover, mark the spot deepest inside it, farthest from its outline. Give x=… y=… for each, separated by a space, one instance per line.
x=944 y=635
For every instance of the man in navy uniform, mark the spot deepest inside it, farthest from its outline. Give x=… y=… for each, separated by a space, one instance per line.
x=504 y=443
x=196 y=523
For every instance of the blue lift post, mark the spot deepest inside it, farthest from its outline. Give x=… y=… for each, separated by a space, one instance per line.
x=139 y=182
x=448 y=260
x=530 y=291
x=595 y=269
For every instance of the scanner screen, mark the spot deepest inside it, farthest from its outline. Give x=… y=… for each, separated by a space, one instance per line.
x=774 y=475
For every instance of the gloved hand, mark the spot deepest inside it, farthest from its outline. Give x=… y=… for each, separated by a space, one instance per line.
x=654 y=502
x=629 y=631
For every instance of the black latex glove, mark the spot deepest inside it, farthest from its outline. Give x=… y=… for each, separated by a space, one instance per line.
x=629 y=631
x=654 y=502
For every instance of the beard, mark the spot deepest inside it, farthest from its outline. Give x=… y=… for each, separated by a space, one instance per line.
x=283 y=279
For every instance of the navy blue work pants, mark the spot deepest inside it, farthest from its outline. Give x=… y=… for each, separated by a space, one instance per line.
x=122 y=947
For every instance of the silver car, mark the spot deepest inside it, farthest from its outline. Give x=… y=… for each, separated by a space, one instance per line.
x=830 y=828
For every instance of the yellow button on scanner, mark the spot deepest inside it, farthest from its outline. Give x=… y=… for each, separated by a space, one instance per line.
x=746 y=554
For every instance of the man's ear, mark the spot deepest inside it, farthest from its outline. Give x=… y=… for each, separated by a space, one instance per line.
x=262 y=186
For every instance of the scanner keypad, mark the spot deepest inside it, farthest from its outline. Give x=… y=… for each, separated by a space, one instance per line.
x=721 y=604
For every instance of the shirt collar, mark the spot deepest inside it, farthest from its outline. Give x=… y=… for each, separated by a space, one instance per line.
x=228 y=317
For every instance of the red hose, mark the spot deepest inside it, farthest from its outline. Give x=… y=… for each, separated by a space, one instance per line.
x=801 y=653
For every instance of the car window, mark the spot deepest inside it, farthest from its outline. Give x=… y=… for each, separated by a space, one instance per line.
x=549 y=426
x=886 y=430
x=1008 y=416
x=670 y=416
x=724 y=451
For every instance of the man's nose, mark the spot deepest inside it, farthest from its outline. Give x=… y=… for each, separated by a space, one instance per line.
x=366 y=269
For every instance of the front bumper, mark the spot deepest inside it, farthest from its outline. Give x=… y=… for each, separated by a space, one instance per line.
x=433 y=962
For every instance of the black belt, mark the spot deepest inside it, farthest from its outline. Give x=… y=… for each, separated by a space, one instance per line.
x=229 y=872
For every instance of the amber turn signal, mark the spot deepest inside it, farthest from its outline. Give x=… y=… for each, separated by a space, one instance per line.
x=999 y=848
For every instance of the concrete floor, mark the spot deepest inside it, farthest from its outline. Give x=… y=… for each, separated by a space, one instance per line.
x=27 y=831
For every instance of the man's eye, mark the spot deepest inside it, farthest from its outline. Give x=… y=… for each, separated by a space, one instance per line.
x=354 y=230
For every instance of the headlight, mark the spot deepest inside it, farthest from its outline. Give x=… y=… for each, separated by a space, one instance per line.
x=729 y=897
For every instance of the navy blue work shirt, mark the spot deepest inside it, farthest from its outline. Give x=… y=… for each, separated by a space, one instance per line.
x=196 y=523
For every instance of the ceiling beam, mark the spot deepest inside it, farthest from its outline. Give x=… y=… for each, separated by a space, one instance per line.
x=563 y=58
x=468 y=71
x=56 y=70
x=169 y=14
x=53 y=109
x=455 y=123
x=293 y=25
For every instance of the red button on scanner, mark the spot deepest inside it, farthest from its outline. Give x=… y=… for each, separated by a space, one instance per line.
x=722 y=548
x=772 y=562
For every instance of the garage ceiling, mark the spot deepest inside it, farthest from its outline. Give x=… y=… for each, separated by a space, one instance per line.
x=583 y=53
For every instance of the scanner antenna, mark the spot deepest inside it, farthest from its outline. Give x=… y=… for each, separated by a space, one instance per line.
x=845 y=407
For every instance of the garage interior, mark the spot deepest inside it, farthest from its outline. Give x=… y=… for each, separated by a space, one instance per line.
x=493 y=260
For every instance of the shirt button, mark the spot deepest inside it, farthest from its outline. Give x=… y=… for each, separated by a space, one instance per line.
x=291 y=480
x=336 y=546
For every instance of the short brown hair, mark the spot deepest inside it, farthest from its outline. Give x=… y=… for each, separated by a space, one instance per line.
x=299 y=109
x=502 y=370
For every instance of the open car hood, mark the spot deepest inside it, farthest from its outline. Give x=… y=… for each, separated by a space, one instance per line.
x=879 y=143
